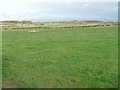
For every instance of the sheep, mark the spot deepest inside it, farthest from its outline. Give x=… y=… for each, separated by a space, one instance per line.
x=33 y=31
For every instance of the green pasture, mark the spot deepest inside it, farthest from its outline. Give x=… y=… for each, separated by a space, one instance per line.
x=60 y=58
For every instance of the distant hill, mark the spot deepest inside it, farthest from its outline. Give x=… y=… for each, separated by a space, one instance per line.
x=17 y=21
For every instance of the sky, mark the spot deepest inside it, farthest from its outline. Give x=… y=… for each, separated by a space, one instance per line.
x=59 y=10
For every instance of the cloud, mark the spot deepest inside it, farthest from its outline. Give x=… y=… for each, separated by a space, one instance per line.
x=63 y=10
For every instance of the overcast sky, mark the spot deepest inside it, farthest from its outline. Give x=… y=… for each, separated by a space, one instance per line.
x=59 y=10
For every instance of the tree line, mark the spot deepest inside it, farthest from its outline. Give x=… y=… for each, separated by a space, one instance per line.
x=18 y=22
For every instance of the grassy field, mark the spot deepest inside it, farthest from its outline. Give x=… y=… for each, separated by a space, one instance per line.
x=82 y=57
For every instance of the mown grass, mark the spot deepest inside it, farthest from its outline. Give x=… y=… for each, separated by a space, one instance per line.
x=84 y=57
